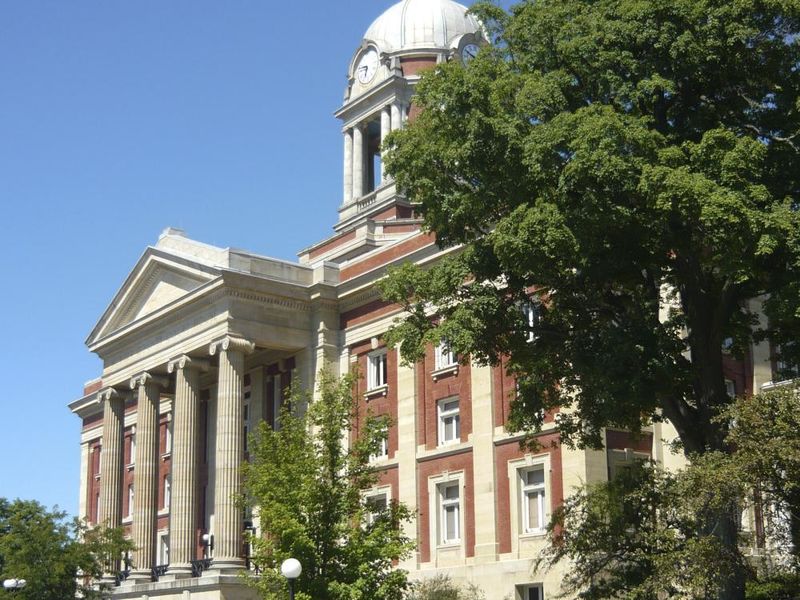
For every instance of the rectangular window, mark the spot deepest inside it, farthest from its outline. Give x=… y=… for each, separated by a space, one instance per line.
x=163 y=549
x=168 y=438
x=444 y=357
x=246 y=420
x=130 y=501
x=383 y=448
x=530 y=592
x=376 y=505
x=449 y=422
x=133 y=449
x=167 y=492
x=377 y=372
x=534 y=509
x=730 y=388
x=449 y=513
x=532 y=315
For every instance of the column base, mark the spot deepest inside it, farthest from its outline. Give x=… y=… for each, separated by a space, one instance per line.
x=138 y=576
x=226 y=566
x=177 y=572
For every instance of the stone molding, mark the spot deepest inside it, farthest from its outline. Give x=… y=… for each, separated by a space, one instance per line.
x=184 y=361
x=231 y=343
x=108 y=394
x=148 y=378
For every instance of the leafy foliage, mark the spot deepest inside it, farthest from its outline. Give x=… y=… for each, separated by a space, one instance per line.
x=611 y=158
x=441 y=587
x=57 y=557
x=766 y=438
x=633 y=166
x=307 y=488
x=645 y=534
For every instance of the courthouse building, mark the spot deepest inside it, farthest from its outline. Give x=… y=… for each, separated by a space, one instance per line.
x=200 y=342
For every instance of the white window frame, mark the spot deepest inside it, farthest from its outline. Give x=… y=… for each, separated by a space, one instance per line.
x=442 y=417
x=522 y=540
x=167 y=492
x=532 y=314
x=444 y=357
x=532 y=492
x=133 y=448
x=523 y=591
x=730 y=388
x=377 y=378
x=620 y=459
x=131 y=493
x=163 y=548
x=454 y=551
x=446 y=505
x=383 y=448
x=168 y=438
x=384 y=494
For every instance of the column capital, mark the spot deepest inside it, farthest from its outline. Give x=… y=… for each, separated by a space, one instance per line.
x=107 y=394
x=146 y=378
x=231 y=343
x=184 y=361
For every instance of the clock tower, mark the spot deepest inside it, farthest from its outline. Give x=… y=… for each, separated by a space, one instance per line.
x=409 y=37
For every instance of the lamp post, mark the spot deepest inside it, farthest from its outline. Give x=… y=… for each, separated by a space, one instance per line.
x=14 y=585
x=291 y=569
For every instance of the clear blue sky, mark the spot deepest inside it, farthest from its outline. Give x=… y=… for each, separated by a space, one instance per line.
x=118 y=119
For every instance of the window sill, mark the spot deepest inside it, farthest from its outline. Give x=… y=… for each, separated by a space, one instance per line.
x=540 y=533
x=130 y=467
x=375 y=392
x=442 y=371
x=127 y=520
x=453 y=545
x=162 y=512
x=166 y=455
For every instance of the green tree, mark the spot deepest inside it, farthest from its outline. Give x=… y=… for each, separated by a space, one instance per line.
x=612 y=158
x=57 y=557
x=766 y=439
x=641 y=535
x=441 y=587
x=306 y=483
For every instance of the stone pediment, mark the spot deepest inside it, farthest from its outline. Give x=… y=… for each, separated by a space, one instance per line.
x=158 y=280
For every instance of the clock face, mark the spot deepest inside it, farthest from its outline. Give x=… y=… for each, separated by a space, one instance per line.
x=469 y=52
x=367 y=65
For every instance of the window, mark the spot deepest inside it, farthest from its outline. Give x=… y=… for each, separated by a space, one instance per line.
x=534 y=511
x=444 y=356
x=133 y=449
x=449 y=513
x=449 y=422
x=167 y=492
x=246 y=419
x=376 y=504
x=377 y=373
x=383 y=448
x=168 y=438
x=130 y=501
x=532 y=315
x=97 y=507
x=624 y=461
x=530 y=592
x=786 y=369
x=163 y=549
x=730 y=388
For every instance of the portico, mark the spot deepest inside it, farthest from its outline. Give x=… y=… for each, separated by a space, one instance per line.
x=210 y=348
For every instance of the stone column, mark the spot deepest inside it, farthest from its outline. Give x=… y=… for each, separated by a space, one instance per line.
x=145 y=475
x=386 y=127
x=397 y=115
x=111 y=466
x=358 y=161
x=185 y=434
x=228 y=517
x=348 y=166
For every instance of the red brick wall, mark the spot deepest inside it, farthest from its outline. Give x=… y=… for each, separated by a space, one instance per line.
x=509 y=451
x=426 y=521
x=383 y=257
x=412 y=66
x=429 y=392
x=377 y=405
